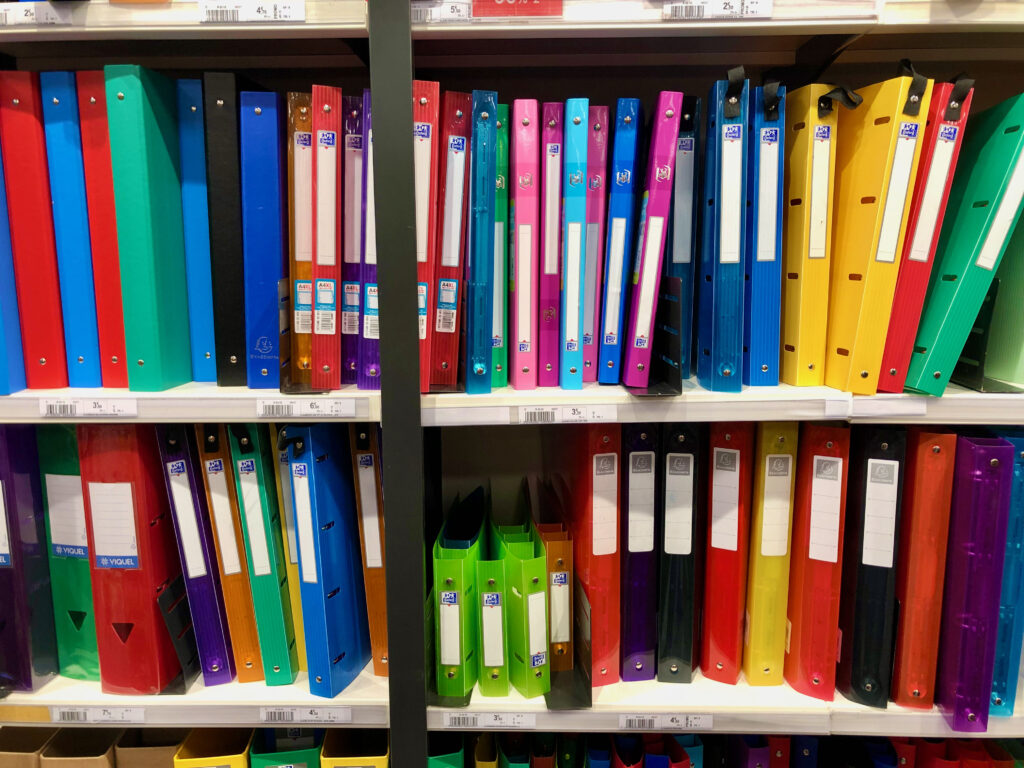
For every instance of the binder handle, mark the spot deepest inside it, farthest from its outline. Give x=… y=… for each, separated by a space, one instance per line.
x=770 y=94
x=737 y=77
x=295 y=441
x=211 y=438
x=845 y=96
x=241 y=433
x=918 y=86
x=962 y=85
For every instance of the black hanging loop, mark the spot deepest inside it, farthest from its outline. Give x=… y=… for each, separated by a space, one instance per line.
x=732 y=108
x=770 y=93
x=962 y=85
x=918 y=86
x=845 y=96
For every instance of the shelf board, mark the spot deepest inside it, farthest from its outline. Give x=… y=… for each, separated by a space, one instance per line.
x=848 y=718
x=363 y=703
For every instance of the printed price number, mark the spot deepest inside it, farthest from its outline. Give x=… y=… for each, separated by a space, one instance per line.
x=696 y=10
x=434 y=12
x=316 y=407
x=305 y=715
x=489 y=720
x=490 y=9
x=666 y=722
x=82 y=407
x=241 y=11
x=18 y=14
x=98 y=714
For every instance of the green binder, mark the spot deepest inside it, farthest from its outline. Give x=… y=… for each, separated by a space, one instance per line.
x=502 y=250
x=286 y=748
x=445 y=750
x=492 y=660
x=983 y=209
x=142 y=118
x=68 y=551
x=264 y=549
x=513 y=750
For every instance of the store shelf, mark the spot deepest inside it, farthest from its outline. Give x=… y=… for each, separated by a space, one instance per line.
x=951 y=15
x=956 y=406
x=195 y=402
x=852 y=719
x=363 y=703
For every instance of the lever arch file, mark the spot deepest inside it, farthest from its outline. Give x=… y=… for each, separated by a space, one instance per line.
x=573 y=258
x=524 y=251
x=499 y=325
x=300 y=236
x=558 y=548
x=597 y=198
x=351 y=306
x=368 y=376
x=12 y=362
x=1010 y=634
x=426 y=108
x=492 y=658
x=552 y=153
x=290 y=542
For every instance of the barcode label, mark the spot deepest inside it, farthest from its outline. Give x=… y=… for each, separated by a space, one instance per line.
x=277 y=715
x=305 y=714
x=60 y=409
x=237 y=11
x=695 y=10
x=71 y=715
x=566 y=414
x=531 y=414
x=341 y=407
x=440 y=11
x=446 y=321
x=276 y=410
x=461 y=721
x=638 y=722
x=98 y=714
x=17 y=14
x=489 y=720
x=686 y=12
x=222 y=16
x=80 y=407
x=665 y=722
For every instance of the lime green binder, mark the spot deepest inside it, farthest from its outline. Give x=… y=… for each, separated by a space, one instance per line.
x=142 y=118
x=255 y=468
x=286 y=748
x=502 y=250
x=492 y=660
x=68 y=551
x=982 y=213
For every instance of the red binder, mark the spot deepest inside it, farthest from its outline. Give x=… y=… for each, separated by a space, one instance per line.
x=452 y=207
x=327 y=251
x=31 y=222
x=921 y=565
x=725 y=578
x=138 y=593
x=947 y=118
x=426 y=106
x=99 y=191
x=778 y=751
x=906 y=751
x=816 y=560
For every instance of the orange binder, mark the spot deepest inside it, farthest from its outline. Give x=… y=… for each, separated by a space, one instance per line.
x=558 y=546
x=300 y=241
x=366 y=471
x=921 y=565
x=219 y=482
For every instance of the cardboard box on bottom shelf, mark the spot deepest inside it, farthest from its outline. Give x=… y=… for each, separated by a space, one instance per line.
x=80 y=748
x=149 y=747
x=21 y=747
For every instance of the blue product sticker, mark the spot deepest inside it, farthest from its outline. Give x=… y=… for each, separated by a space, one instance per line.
x=769 y=135
x=538 y=660
x=908 y=130
x=117 y=561
x=421 y=130
x=456 y=143
x=524 y=346
x=588 y=339
x=300 y=470
x=366 y=460
x=176 y=468
x=560 y=578
x=622 y=177
x=554 y=149
x=492 y=599
x=823 y=132
x=575 y=178
x=449 y=598
x=571 y=346
x=213 y=466
x=684 y=144
x=247 y=466
x=5 y=560
x=354 y=142
x=733 y=132
x=303 y=139
x=65 y=550
x=326 y=138
x=947 y=132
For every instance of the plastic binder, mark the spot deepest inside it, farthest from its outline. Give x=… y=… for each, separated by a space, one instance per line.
x=867 y=615
x=368 y=376
x=983 y=209
x=333 y=599
x=641 y=450
x=764 y=639
x=573 y=250
x=191 y=515
x=253 y=466
x=943 y=135
x=492 y=658
x=147 y=197
x=524 y=251
x=453 y=189
x=655 y=209
x=143 y=630
x=499 y=325
x=723 y=247
x=597 y=199
x=805 y=752
x=226 y=523
x=552 y=153
x=763 y=264
x=12 y=362
x=731 y=457
x=1010 y=634
x=196 y=222
x=681 y=510
x=290 y=540
x=300 y=237
x=351 y=294
x=426 y=108
x=30 y=218
x=228 y=747
x=876 y=167
x=67 y=547
x=479 y=294
x=558 y=548
x=327 y=272
x=974 y=564
x=355 y=748
x=750 y=752
x=618 y=248
x=274 y=747
x=27 y=638
x=99 y=196
x=921 y=566
x=263 y=238
x=815 y=572
x=364 y=440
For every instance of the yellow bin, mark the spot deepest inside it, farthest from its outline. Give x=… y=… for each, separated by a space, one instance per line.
x=364 y=747
x=223 y=747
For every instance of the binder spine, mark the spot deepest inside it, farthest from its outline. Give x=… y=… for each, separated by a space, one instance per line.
x=426 y=107
x=290 y=542
x=552 y=155
x=654 y=212
x=765 y=192
x=621 y=212
x=529 y=658
x=597 y=197
x=351 y=292
x=981 y=500
x=369 y=333
x=328 y=201
x=479 y=301
x=502 y=240
x=1010 y=633
x=12 y=361
x=300 y=241
x=263 y=237
x=524 y=254
x=558 y=549
x=573 y=267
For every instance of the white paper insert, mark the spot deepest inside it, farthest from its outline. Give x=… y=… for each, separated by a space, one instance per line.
x=302 y=193
x=931 y=199
x=353 y=229
x=880 y=512
x=1009 y=204
x=616 y=253
x=678 y=503
x=826 y=501
x=648 y=279
x=561 y=632
x=605 y=503
x=285 y=474
x=450 y=639
x=454 y=189
x=187 y=519
x=304 y=523
x=524 y=285
x=368 y=507
x=777 y=504
x=326 y=196
x=590 y=281
x=725 y=499
x=5 y=537
x=821 y=179
x=768 y=195
x=421 y=168
x=896 y=195
x=66 y=510
x=500 y=286
x=682 y=202
x=222 y=522
x=494 y=636
x=252 y=510
x=113 y=525
x=641 y=501
x=552 y=202
x=731 y=194
x=571 y=280
x=370 y=252
x=537 y=622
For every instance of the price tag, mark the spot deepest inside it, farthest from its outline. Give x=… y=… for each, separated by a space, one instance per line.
x=484 y=9
x=16 y=14
x=244 y=11
x=439 y=12
x=344 y=408
x=305 y=715
x=84 y=407
x=98 y=714
x=566 y=414
x=697 y=10
x=665 y=722
x=490 y=720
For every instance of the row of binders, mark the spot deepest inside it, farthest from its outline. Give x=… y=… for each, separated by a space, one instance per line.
x=651 y=750
x=181 y=748
x=879 y=561
x=141 y=556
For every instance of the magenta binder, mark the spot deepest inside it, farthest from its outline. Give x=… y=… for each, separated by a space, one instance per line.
x=549 y=294
x=352 y=235
x=974 y=572
x=597 y=205
x=524 y=261
x=654 y=211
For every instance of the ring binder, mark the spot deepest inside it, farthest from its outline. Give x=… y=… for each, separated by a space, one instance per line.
x=597 y=196
x=573 y=251
x=524 y=252
x=550 y=260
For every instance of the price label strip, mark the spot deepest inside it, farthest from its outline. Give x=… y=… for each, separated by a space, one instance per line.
x=39 y=13
x=84 y=407
x=698 y=10
x=246 y=11
x=98 y=714
x=665 y=722
x=516 y=8
x=566 y=414
x=489 y=720
x=309 y=406
x=441 y=11
x=289 y=715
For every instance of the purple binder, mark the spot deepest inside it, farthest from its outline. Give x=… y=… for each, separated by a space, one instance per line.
x=750 y=752
x=974 y=572
x=369 y=333
x=28 y=642
x=352 y=233
x=639 y=611
x=179 y=455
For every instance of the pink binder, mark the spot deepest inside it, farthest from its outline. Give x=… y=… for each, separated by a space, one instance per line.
x=525 y=180
x=550 y=245
x=597 y=204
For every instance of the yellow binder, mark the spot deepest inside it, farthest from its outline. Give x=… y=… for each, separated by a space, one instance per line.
x=811 y=136
x=876 y=166
x=764 y=642
x=300 y=253
x=363 y=747
x=283 y=481
x=222 y=747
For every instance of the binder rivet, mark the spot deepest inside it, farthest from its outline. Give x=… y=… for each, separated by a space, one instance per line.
x=639 y=665
x=193 y=107
x=778 y=753
x=263 y=371
x=526 y=369
x=56 y=100
x=903 y=761
x=972 y=717
x=327 y=107
x=113 y=359
x=643 y=435
x=782 y=439
x=526 y=121
x=220 y=102
x=863 y=374
x=732 y=99
x=627 y=119
x=354 y=114
x=764 y=368
x=807 y=752
x=449 y=582
x=587 y=363
x=498 y=367
x=954 y=104
x=535 y=580
x=258 y=110
x=215 y=667
x=326 y=368
x=639 y=366
x=816 y=680
x=681 y=438
x=828 y=444
x=499 y=124
x=674 y=668
x=611 y=364
x=604 y=670
x=451 y=674
x=575 y=121
x=92 y=99
x=210 y=439
x=728 y=436
x=244 y=441
x=719 y=665
x=42 y=361
x=81 y=359
x=478 y=369
x=559 y=562
x=937 y=374
x=605 y=439
x=727 y=371
x=423 y=100
x=547 y=367
x=120 y=97
x=997 y=701
x=373 y=371
x=233 y=359
x=277 y=668
x=936 y=449
x=538 y=673
x=484 y=116
x=994 y=463
x=208 y=355
x=383 y=659
x=669 y=112
x=885 y=446
x=810 y=367
x=686 y=117
x=892 y=371
x=915 y=692
x=572 y=369
x=248 y=664
x=869 y=687
x=141 y=362
x=444 y=365
x=458 y=113
x=362 y=435
x=490 y=582
x=597 y=126
x=915 y=98
x=319 y=679
x=495 y=674
x=560 y=651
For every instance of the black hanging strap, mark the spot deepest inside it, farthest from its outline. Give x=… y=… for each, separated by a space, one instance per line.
x=962 y=85
x=845 y=96
x=918 y=86
x=734 y=92
x=770 y=91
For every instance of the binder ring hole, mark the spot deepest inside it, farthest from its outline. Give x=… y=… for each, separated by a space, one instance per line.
x=997 y=701
x=796 y=201
x=248 y=665
x=979 y=204
x=936 y=449
x=843 y=352
x=767 y=670
x=971 y=716
x=828 y=444
x=277 y=668
x=816 y=680
x=793 y=275
x=799 y=126
x=494 y=675
x=855 y=277
x=1012 y=129
x=884 y=447
x=639 y=665
x=790 y=348
x=719 y=665
x=882 y=120
x=868 y=200
x=538 y=674
x=915 y=692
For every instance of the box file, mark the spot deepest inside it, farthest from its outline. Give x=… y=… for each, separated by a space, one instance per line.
x=273 y=747
x=369 y=336
x=805 y=752
x=548 y=321
x=426 y=108
x=599 y=750
x=351 y=306
x=542 y=750
x=597 y=198
x=67 y=548
x=445 y=750
x=290 y=541
x=21 y=747
x=502 y=239
x=355 y=748
x=300 y=236
x=73 y=748
x=147 y=747
x=524 y=248
x=12 y=362
x=573 y=248
x=514 y=749
x=227 y=747
x=485 y=752
x=1010 y=632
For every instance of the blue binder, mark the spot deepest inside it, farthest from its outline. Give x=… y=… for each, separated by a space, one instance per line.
x=720 y=319
x=1010 y=632
x=619 y=241
x=330 y=565
x=71 y=227
x=12 y=361
x=263 y=252
x=599 y=751
x=881 y=753
x=684 y=224
x=803 y=752
x=196 y=225
x=574 y=229
x=479 y=293
x=765 y=197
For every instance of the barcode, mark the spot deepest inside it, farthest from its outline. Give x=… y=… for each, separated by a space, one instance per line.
x=539 y=417
x=324 y=322
x=3 y=18
x=61 y=410
x=463 y=721
x=303 y=321
x=277 y=410
x=371 y=327
x=350 y=323
x=446 y=321
x=639 y=723
x=221 y=15
x=73 y=716
x=278 y=716
x=686 y=12
x=420 y=15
